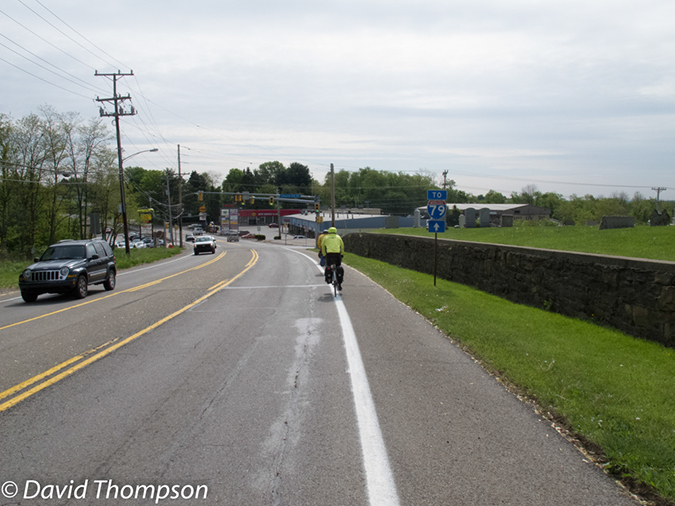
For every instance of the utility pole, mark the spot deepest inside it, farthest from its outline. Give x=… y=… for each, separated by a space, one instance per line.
x=445 y=175
x=168 y=198
x=332 y=195
x=119 y=111
x=658 y=191
x=180 y=201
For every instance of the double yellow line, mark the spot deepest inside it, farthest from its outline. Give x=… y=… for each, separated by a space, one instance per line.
x=47 y=378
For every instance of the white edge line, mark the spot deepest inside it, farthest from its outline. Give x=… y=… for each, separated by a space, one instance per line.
x=379 y=476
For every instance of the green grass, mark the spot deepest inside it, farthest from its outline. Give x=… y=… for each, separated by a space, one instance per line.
x=615 y=391
x=143 y=256
x=9 y=271
x=656 y=243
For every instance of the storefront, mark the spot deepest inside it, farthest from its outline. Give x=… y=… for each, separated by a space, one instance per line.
x=253 y=217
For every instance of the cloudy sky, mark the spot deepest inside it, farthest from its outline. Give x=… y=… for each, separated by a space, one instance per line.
x=573 y=96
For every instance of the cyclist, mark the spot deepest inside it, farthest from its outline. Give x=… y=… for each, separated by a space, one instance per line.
x=333 y=248
x=319 y=243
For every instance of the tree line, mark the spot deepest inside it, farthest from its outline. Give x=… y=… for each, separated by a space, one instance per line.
x=59 y=175
x=55 y=170
x=580 y=210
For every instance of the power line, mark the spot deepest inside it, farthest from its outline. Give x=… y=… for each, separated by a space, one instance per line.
x=62 y=32
x=44 y=80
x=45 y=40
x=78 y=33
x=86 y=85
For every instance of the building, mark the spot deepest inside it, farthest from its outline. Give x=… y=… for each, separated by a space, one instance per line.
x=497 y=211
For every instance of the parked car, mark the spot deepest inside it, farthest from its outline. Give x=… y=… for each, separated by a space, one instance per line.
x=137 y=244
x=204 y=243
x=248 y=236
x=70 y=267
x=299 y=237
x=273 y=225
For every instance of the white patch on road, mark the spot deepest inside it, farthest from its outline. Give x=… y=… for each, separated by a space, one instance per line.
x=379 y=477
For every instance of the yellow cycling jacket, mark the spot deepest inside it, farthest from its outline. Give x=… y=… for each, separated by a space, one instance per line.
x=332 y=243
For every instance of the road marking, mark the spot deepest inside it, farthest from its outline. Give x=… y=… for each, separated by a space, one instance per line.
x=128 y=290
x=379 y=477
x=79 y=363
x=380 y=482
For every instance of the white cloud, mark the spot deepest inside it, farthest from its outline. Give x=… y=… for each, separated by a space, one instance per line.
x=577 y=87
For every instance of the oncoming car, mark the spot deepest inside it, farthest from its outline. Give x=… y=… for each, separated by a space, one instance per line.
x=204 y=243
x=70 y=267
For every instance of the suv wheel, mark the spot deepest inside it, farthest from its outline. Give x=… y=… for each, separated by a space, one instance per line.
x=81 y=290
x=110 y=280
x=29 y=296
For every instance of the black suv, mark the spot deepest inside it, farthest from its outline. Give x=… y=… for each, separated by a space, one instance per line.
x=69 y=267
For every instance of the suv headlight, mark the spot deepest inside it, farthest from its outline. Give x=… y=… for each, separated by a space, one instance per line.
x=27 y=274
x=64 y=271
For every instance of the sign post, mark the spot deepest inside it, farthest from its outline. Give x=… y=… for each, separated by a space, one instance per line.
x=436 y=207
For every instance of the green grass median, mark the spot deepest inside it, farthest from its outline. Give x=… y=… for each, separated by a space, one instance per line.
x=614 y=391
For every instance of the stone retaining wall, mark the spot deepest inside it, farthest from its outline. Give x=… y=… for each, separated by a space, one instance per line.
x=633 y=295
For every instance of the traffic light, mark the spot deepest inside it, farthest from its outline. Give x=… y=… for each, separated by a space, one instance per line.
x=252 y=201
x=237 y=197
x=317 y=207
x=271 y=201
x=200 y=196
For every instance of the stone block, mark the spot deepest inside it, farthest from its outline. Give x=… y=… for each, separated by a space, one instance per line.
x=470 y=218
x=617 y=222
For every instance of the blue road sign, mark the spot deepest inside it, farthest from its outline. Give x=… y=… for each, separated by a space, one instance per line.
x=436 y=209
x=437 y=194
x=290 y=196
x=436 y=226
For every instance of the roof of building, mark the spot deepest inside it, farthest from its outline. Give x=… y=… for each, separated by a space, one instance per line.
x=491 y=207
x=498 y=208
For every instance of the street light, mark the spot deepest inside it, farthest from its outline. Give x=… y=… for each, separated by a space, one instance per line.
x=153 y=150
x=122 y=197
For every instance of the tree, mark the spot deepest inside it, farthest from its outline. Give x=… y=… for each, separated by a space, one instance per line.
x=297 y=178
x=28 y=195
x=85 y=144
x=494 y=197
x=269 y=173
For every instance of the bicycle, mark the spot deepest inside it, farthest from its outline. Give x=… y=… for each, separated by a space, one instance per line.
x=334 y=281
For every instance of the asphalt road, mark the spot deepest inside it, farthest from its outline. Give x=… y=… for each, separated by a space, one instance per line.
x=240 y=377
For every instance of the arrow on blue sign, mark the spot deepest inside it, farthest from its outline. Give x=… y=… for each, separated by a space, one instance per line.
x=436 y=226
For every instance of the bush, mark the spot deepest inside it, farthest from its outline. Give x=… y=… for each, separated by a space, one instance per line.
x=260 y=237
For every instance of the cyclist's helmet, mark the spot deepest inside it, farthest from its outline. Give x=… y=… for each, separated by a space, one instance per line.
x=332 y=230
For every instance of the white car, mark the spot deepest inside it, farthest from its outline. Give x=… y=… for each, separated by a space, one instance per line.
x=204 y=243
